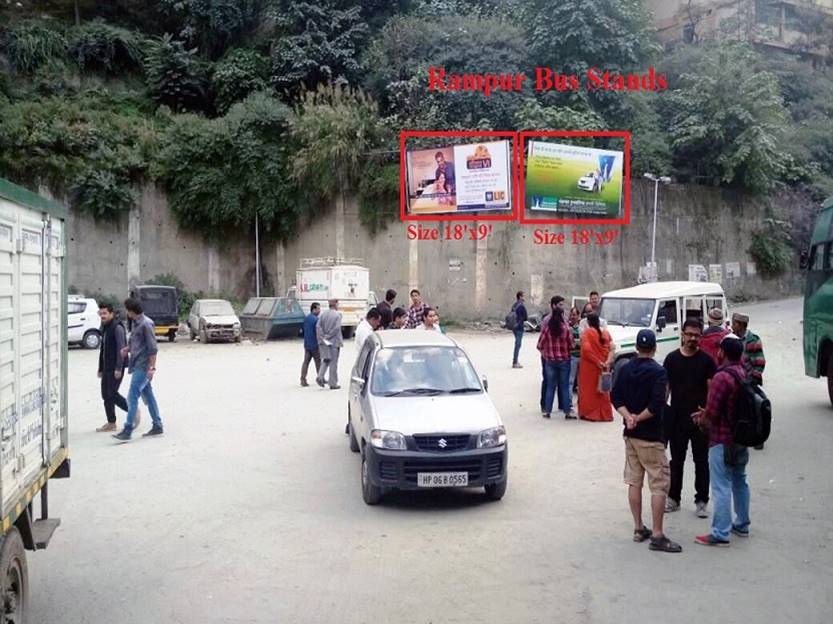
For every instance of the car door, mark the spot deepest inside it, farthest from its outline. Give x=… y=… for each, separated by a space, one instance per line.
x=359 y=390
x=76 y=317
x=668 y=338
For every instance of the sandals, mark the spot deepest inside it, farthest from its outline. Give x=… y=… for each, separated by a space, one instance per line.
x=664 y=544
x=640 y=535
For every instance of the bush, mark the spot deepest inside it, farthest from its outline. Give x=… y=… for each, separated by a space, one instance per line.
x=239 y=74
x=176 y=77
x=771 y=254
x=102 y=47
x=32 y=45
x=102 y=193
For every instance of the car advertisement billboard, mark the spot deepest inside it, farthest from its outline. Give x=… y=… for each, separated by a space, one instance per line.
x=459 y=178
x=575 y=180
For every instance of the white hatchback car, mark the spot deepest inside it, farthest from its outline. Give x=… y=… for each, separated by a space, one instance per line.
x=83 y=324
x=420 y=416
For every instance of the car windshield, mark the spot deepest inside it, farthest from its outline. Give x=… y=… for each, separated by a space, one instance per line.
x=627 y=312
x=216 y=308
x=413 y=371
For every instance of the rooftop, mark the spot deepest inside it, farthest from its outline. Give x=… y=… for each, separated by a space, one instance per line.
x=658 y=290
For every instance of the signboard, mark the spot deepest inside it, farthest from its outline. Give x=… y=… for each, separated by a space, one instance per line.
x=716 y=273
x=732 y=270
x=459 y=178
x=697 y=273
x=575 y=180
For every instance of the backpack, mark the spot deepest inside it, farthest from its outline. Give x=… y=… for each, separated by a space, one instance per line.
x=511 y=320
x=753 y=413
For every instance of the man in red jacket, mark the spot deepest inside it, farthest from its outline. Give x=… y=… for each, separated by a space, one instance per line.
x=715 y=332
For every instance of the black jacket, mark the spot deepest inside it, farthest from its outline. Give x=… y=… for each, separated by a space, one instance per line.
x=113 y=339
x=642 y=384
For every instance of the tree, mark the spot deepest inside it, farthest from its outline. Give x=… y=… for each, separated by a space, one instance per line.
x=176 y=77
x=317 y=43
x=726 y=120
x=214 y=25
x=238 y=74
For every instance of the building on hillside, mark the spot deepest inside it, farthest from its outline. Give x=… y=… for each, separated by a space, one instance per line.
x=803 y=27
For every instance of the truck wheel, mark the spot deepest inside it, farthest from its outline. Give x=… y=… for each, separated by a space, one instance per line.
x=348 y=332
x=172 y=335
x=92 y=339
x=830 y=377
x=15 y=577
x=371 y=494
x=495 y=491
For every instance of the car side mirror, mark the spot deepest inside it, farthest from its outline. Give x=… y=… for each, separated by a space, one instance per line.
x=661 y=323
x=485 y=383
x=804 y=260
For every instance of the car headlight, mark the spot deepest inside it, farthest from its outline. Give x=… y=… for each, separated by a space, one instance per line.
x=391 y=440
x=492 y=437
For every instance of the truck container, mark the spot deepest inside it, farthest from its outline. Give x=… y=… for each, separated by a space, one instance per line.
x=33 y=389
x=345 y=279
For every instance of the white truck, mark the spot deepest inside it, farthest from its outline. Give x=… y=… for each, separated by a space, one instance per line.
x=33 y=389
x=345 y=279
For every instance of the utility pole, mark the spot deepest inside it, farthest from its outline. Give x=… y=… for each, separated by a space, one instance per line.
x=656 y=180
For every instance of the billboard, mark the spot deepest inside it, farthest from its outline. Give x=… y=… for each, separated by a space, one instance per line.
x=575 y=180
x=459 y=178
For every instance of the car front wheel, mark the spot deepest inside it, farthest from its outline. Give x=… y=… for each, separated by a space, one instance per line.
x=495 y=491
x=371 y=494
x=92 y=339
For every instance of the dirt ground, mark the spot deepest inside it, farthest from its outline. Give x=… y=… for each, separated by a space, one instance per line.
x=249 y=509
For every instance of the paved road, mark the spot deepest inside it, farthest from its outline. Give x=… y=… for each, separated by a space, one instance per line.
x=249 y=510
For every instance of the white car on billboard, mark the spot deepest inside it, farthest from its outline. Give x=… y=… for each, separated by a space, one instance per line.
x=590 y=182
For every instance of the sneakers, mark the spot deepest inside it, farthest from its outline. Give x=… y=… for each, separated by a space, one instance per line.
x=701 y=511
x=671 y=505
x=336 y=387
x=516 y=365
x=710 y=540
x=571 y=415
x=106 y=427
x=546 y=415
x=740 y=532
x=122 y=436
x=154 y=431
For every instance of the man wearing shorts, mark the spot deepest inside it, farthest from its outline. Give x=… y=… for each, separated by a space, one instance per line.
x=639 y=396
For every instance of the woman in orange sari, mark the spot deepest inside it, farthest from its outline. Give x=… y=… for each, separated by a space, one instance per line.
x=596 y=348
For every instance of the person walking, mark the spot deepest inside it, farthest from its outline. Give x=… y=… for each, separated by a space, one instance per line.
x=386 y=308
x=727 y=461
x=519 y=310
x=555 y=344
x=689 y=371
x=370 y=323
x=142 y=350
x=575 y=354
x=311 y=351
x=596 y=347
x=714 y=334
x=417 y=310
x=328 y=332
x=753 y=352
x=639 y=396
x=111 y=364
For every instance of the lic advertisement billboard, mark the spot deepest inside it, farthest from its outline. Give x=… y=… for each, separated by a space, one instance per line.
x=459 y=178
x=574 y=180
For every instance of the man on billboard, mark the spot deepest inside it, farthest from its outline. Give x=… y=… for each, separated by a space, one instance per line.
x=446 y=169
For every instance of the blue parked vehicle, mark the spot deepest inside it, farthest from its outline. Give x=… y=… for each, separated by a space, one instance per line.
x=267 y=318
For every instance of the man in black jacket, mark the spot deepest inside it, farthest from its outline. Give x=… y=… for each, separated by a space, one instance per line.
x=111 y=364
x=639 y=396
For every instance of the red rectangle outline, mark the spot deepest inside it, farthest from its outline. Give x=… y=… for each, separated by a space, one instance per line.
x=403 y=191
x=625 y=220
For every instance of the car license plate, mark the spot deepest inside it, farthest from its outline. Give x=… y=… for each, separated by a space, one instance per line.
x=442 y=479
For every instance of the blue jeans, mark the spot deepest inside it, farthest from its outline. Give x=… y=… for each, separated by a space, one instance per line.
x=557 y=378
x=140 y=386
x=728 y=485
x=573 y=371
x=519 y=335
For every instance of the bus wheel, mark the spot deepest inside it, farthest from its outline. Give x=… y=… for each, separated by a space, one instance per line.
x=14 y=575
x=830 y=378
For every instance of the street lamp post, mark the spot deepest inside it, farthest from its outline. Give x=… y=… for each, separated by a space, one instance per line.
x=656 y=180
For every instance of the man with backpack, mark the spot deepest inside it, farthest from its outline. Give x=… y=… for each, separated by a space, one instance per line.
x=727 y=458
x=515 y=321
x=111 y=364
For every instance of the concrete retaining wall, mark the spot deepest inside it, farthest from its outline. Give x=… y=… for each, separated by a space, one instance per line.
x=465 y=279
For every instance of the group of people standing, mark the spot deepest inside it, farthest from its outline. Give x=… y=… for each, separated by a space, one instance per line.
x=323 y=331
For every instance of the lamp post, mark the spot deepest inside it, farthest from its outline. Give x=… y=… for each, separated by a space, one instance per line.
x=257 y=258
x=656 y=180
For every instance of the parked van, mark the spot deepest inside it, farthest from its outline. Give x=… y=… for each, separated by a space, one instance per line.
x=83 y=324
x=660 y=306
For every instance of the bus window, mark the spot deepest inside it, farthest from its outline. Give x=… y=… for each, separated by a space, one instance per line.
x=817 y=260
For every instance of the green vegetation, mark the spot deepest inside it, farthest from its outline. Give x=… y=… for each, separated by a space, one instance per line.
x=276 y=109
x=771 y=254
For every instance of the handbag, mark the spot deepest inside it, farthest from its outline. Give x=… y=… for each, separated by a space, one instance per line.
x=606 y=382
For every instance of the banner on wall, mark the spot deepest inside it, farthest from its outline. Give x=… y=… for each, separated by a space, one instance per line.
x=574 y=180
x=459 y=178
